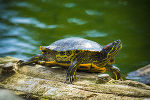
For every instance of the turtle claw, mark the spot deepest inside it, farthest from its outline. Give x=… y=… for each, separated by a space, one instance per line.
x=20 y=63
x=23 y=63
x=70 y=79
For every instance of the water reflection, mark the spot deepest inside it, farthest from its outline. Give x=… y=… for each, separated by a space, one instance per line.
x=4 y=27
x=89 y=33
x=6 y=14
x=25 y=25
x=70 y=5
x=81 y=35
x=23 y=4
x=95 y=33
x=15 y=42
x=92 y=12
x=77 y=21
x=26 y=5
x=31 y=21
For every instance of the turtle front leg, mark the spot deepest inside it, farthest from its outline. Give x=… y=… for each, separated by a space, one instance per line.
x=33 y=60
x=115 y=71
x=71 y=73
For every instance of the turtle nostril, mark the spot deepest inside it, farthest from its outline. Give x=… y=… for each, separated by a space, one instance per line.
x=115 y=42
x=118 y=40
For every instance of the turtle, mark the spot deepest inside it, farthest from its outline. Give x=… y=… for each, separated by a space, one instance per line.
x=78 y=53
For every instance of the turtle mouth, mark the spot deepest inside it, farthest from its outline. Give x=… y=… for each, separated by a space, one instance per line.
x=117 y=45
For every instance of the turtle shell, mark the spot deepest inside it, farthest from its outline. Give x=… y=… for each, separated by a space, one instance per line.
x=74 y=43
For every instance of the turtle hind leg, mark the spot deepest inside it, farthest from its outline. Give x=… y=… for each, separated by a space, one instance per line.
x=115 y=71
x=32 y=61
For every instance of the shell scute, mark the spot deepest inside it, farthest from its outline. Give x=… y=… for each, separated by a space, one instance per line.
x=74 y=43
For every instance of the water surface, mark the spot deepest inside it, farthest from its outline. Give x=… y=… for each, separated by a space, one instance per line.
x=27 y=24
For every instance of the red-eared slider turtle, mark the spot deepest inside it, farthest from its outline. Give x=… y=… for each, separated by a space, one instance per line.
x=78 y=53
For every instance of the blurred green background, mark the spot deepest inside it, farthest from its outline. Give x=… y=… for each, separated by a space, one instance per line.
x=27 y=24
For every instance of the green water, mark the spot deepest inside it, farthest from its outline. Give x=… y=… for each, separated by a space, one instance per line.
x=27 y=24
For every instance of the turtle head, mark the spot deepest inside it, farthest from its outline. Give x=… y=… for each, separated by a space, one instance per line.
x=112 y=49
